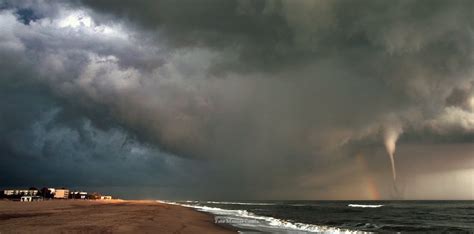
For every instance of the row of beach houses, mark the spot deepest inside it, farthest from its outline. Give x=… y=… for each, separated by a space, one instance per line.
x=33 y=194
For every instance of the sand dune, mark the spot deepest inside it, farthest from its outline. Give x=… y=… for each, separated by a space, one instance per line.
x=103 y=216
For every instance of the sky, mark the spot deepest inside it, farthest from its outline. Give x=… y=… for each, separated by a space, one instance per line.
x=239 y=99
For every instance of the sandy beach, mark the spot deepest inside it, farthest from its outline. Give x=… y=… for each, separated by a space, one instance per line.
x=103 y=216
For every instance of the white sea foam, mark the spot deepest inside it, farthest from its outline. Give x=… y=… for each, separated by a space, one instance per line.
x=249 y=221
x=241 y=203
x=364 y=206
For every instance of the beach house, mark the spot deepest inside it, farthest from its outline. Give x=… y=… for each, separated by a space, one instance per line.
x=61 y=193
x=105 y=197
x=17 y=192
x=30 y=198
x=78 y=195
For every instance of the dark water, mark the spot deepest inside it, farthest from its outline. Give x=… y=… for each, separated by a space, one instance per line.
x=385 y=216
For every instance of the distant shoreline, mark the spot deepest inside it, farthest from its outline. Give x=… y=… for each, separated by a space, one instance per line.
x=105 y=216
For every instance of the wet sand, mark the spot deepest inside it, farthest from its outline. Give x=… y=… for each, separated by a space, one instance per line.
x=114 y=216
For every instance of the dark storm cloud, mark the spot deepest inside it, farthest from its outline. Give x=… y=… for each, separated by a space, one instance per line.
x=387 y=59
x=42 y=145
x=294 y=89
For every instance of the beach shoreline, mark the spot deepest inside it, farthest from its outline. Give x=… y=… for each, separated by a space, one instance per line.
x=114 y=216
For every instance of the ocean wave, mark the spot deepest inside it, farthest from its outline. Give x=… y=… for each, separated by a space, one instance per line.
x=241 y=203
x=248 y=220
x=364 y=206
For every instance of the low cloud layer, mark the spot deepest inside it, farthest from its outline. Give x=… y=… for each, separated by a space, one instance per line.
x=230 y=99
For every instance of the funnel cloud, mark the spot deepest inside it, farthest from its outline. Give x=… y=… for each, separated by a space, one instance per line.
x=391 y=135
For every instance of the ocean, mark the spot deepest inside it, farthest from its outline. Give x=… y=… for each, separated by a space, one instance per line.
x=341 y=216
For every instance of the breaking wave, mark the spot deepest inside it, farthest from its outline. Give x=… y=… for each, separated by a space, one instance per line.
x=364 y=206
x=249 y=221
x=241 y=203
